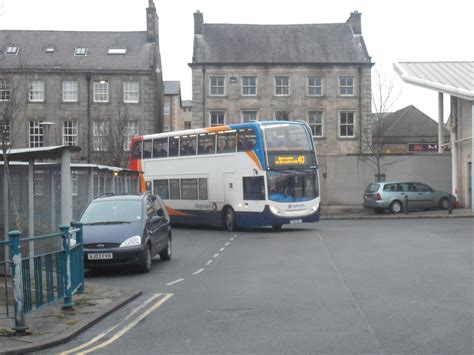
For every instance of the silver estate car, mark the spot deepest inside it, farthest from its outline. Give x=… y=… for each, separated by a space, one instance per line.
x=393 y=195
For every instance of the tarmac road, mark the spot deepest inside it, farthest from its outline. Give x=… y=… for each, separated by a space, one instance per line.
x=342 y=286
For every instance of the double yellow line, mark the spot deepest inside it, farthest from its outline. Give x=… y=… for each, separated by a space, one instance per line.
x=128 y=325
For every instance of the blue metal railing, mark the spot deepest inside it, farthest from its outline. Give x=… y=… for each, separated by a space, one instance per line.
x=42 y=279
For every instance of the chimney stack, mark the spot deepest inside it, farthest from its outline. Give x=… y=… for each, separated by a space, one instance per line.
x=355 y=22
x=198 y=22
x=151 y=23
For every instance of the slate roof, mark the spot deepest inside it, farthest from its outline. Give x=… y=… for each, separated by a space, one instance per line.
x=454 y=78
x=279 y=44
x=409 y=122
x=32 y=54
x=172 y=87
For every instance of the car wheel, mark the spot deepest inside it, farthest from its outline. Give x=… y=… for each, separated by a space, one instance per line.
x=277 y=227
x=145 y=264
x=165 y=254
x=379 y=210
x=396 y=207
x=444 y=203
x=229 y=219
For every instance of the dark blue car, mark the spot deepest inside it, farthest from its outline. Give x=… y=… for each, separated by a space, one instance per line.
x=126 y=230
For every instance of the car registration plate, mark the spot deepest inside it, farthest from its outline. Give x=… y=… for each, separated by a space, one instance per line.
x=295 y=221
x=100 y=256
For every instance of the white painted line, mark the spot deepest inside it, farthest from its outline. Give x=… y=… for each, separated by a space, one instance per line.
x=100 y=336
x=198 y=271
x=209 y=262
x=227 y=244
x=129 y=326
x=231 y=239
x=221 y=249
x=174 y=282
x=216 y=255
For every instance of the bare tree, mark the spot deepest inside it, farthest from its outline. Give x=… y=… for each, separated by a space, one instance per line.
x=384 y=95
x=113 y=139
x=10 y=107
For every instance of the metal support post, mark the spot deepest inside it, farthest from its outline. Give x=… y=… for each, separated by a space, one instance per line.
x=66 y=267
x=17 y=279
x=80 y=243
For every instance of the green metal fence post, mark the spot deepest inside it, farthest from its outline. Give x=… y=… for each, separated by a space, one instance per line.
x=66 y=268
x=79 y=242
x=17 y=277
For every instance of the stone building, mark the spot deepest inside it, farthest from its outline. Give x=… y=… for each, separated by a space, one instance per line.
x=172 y=106
x=91 y=89
x=408 y=131
x=320 y=73
x=187 y=114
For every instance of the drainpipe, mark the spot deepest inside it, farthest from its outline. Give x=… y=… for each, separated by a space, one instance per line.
x=204 y=96
x=440 y=122
x=89 y=119
x=454 y=150
x=359 y=89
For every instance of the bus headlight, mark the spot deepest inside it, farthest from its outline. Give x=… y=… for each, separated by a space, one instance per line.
x=275 y=210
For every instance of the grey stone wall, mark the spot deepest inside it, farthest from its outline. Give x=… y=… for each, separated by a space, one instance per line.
x=343 y=179
x=298 y=103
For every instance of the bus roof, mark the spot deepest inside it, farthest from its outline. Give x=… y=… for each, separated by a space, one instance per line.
x=223 y=128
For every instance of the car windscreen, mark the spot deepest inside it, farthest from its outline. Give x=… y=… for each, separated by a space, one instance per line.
x=113 y=211
x=372 y=188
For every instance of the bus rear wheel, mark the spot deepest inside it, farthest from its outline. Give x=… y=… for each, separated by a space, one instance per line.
x=229 y=219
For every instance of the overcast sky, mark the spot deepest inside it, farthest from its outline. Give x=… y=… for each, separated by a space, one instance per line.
x=402 y=30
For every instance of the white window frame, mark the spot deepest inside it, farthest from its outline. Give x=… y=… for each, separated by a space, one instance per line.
x=5 y=130
x=315 y=87
x=130 y=130
x=70 y=91
x=36 y=90
x=244 y=112
x=281 y=119
x=218 y=123
x=75 y=183
x=345 y=86
x=69 y=132
x=216 y=84
x=340 y=124
x=281 y=86
x=101 y=91
x=100 y=131
x=12 y=50
x=131 y=91
x=35 y=134
x=5 y=90
x=80 y=51
x=249 y=87
x=313 y=123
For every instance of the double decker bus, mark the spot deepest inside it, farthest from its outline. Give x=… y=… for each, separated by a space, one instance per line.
x=260 y=173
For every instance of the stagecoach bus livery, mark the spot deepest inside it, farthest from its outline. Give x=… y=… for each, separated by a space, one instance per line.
x=261 y=173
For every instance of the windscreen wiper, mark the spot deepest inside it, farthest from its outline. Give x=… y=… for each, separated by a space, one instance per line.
x=106 y=222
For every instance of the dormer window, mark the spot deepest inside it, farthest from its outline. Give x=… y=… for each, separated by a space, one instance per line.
x=117 y=51
x=50 y=49
x=12 y=50
x=80 y=51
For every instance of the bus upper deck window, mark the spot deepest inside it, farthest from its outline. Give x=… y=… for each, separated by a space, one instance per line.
x=160 y=148
x=207 y=143
x=247 y=140
x=173 y=146
x=147 y=149
x=137 y=150
x=226 y=142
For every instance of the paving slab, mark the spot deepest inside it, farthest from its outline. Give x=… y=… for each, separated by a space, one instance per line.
x=52 y=325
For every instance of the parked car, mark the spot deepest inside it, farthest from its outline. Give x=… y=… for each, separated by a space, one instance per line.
x=126 y=230
x=393 y=195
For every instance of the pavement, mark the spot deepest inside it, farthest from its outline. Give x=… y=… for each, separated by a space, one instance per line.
x=51 y=325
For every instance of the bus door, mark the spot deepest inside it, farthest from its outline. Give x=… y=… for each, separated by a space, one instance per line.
x=229 y=187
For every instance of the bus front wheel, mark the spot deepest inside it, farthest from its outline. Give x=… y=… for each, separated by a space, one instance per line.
x=229 y=219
